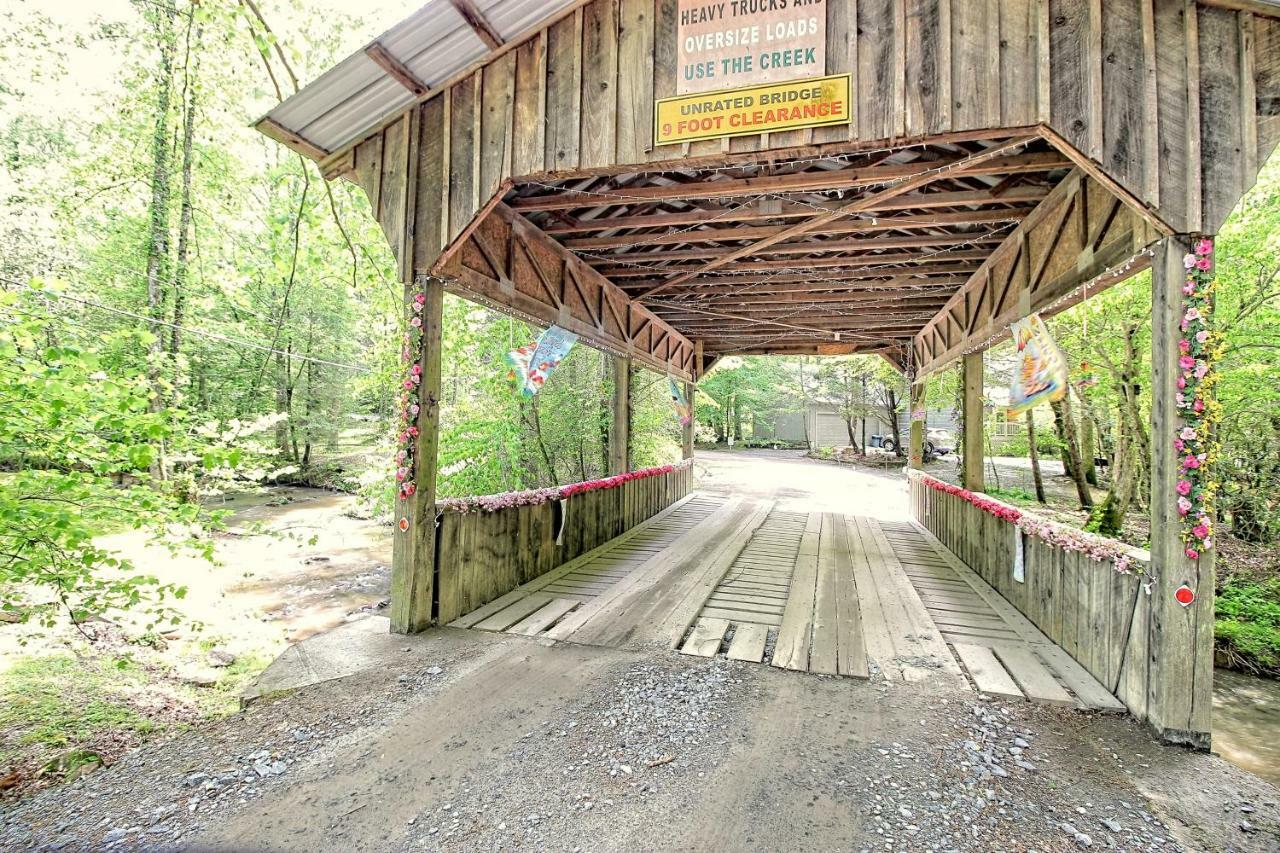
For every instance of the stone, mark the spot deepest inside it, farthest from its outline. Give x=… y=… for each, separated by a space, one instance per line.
x=219 y=658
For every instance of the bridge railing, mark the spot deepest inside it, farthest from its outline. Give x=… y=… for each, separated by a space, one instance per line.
x=1088 y=594
x=488 y=546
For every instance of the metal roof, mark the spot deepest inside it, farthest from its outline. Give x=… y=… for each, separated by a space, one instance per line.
x=431 y=47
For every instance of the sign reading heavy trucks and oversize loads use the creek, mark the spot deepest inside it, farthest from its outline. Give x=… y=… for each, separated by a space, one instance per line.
x=725 y=45
x=754 y=109
x=750 y=66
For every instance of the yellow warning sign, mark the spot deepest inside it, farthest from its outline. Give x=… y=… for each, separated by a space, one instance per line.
x=791 y=105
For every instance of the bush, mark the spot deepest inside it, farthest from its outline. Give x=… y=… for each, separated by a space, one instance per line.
x=1047 y=443
x=1247 y=625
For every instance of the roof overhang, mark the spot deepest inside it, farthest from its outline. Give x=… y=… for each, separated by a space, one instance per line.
x=425 y=53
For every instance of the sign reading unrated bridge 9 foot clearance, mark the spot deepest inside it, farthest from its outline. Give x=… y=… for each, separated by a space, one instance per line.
x=772 y=107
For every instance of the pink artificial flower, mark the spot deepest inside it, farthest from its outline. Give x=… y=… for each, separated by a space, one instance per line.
x=1184 y=487
x=413 y=431
x=1189 y=288
x=402 y=455
x=420 y=298
x=1192 y=314
x=1202 y=370
x=1192 y=553
x=1204 y=246
x=1181 y=382
x=416 y=370
x=1198 y=406
x=1178 y=445
x=1184 y=506
x=1188 y=261
x=1184 y=345
x=1202 y=336
x=414 y=409
x=1188 y=433
x=1186 y=362
x=1190 y=462
x=1203 y=264
x=408 y=489
x=401 y=473
x=408 y=385
x=417 y=307
x=416 y=322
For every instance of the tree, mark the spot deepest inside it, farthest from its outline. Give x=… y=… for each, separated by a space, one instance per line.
x=842 y=381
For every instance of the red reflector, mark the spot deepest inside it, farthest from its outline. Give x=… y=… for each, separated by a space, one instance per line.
x=1184 y=595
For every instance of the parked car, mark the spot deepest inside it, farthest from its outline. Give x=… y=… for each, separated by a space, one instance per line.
x=938 y=442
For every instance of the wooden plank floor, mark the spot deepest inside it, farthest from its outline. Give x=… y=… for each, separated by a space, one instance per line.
x=1004 y=654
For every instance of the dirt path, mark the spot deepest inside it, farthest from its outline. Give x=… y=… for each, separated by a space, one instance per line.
x=472 y=741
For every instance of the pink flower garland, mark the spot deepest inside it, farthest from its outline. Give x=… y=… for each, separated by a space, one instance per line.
x=1096 y=548
x=410 y=404
x=532 y=497
x=1198 y=349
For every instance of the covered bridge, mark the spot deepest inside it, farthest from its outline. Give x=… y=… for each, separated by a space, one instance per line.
x=680 y=180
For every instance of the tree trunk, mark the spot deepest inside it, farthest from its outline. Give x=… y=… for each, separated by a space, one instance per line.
x=1036 y=476
x=891 y=410
x=180 y=272
x=1063 y=408
x=1088 y=448
x=158 y=238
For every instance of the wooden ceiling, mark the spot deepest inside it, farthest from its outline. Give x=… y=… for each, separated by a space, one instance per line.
x=844 y=253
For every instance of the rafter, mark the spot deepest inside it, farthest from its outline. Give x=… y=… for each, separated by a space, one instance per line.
x=690 y=271
x=808 y=247
x=941 y=219
x=396 y=69
x=478 y=23
x=820 y=181
x=966 y=166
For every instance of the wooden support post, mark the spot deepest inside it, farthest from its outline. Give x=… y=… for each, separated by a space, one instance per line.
x=1180 y=682
x=414 y=548
x=686 y=431
x=916 y=458
x=972 y=472
x=620 y=429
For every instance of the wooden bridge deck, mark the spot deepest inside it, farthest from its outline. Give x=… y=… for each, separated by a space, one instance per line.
x=812 y=592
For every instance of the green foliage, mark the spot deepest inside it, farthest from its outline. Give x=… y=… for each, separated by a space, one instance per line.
x=1014 y=495
x=60 y=701
x=1247 y=625
x=1047 y=442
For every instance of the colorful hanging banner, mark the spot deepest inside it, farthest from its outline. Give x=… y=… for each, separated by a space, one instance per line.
x=1041 y=373
x=531 y=365
x=683 y=412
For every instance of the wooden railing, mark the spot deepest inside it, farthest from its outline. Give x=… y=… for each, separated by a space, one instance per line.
x=483 y=554
x=1100 y=616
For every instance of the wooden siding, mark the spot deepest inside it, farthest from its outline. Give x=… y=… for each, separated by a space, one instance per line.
x=484 y=555
x=1178 y=103
x=1100 y=617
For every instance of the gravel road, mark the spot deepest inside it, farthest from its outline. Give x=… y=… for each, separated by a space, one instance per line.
x=470 y=741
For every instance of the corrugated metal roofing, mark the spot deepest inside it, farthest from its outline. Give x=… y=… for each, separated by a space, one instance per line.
x=435 y=44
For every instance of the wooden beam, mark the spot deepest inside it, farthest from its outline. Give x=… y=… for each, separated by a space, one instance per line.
x=1180 y=684
x=396 y=69
x=413 y=548
x=965 y=166
x=973 y=450
x=689 y=272
x=940 y=275
x=505 y=262
x=860 y=226
x=803 y=248
x=478 y=23
x=620 y=427
x=983 y=163
x=285 y=136
x=794 y=210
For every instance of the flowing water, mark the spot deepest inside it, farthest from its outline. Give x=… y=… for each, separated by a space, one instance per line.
x=1246 y=722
